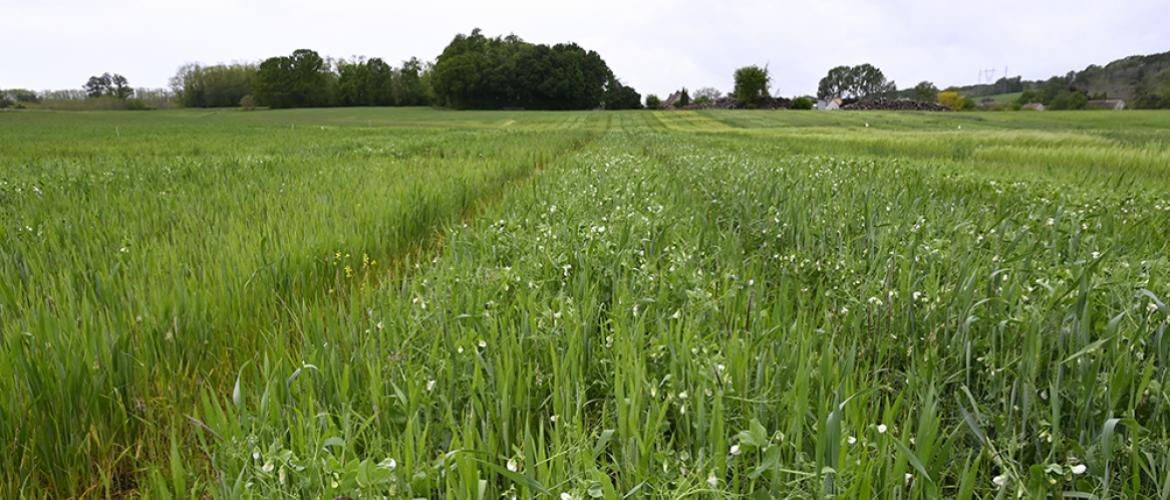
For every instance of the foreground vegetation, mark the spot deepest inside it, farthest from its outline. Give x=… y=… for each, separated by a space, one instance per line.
x=418 y=303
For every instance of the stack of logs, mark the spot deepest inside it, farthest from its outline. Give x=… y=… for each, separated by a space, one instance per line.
x=895 y=105
x=729 y=102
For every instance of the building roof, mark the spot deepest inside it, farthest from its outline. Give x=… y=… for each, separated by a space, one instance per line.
x=1113 y=104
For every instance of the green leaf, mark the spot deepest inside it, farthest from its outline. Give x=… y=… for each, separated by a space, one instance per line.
x=770 y=460
x=602 y=442
x=528 y=482
x=1088 y=349
x=913 y=459
x=334 y=442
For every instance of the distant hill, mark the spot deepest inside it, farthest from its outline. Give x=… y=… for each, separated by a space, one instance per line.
x=1135 y=78
x=1142 y=81
x=1002 y=86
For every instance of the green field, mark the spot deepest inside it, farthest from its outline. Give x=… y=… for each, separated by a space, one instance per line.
x=443 y=304
x=1003 y=98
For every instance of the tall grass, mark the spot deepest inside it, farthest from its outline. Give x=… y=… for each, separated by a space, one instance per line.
x=577 y=304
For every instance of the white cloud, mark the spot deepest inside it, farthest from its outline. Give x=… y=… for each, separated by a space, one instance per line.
x=657 y=45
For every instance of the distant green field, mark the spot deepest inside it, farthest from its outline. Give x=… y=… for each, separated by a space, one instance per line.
x=1003 y=98
x=451 y=304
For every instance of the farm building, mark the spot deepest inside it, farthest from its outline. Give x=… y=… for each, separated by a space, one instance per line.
x=829 y=105
x=1107 y=104
x=991 y=104
x=1034 y=106
x=673 y=101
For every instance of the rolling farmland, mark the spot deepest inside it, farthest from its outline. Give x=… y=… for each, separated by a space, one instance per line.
x=421 y=303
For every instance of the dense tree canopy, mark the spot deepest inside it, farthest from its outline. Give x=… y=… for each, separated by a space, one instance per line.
x=619 y=96
x=218 y=86
x=925 y=92
x=751 y=85
x=302 y=79
x=1055 y=93
x=20 y=95
x=475 y=71
x=410 y=84
x=365 y=83
x=108 y=85
x=855 y=82
x=1153 y=96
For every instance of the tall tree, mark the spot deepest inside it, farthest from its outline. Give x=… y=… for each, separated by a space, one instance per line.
x=379 y=83
x=855 y=82
x=619 y=96
x=299 y=80
x=353 y=84
x=751 y=85
x=836 y=84
x=506 y=72
x=925 y=92
x=97 y=86
x=408 y=86
x=114 y=85
x=120 y=87
x=216 y=86
x=870 y=83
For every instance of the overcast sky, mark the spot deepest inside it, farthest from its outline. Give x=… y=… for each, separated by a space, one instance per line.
x=654 y=45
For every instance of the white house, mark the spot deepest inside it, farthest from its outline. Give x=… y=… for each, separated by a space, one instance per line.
x=829 y=105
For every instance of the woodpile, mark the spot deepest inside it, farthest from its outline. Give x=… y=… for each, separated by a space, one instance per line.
x=729 y=102
x=895 y=105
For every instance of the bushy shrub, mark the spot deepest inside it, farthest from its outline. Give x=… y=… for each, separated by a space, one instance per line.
x=653 y=102
x=802 y=103
x=955 y=100
x=1069 y=99
x=248 y=103
x=136 y=105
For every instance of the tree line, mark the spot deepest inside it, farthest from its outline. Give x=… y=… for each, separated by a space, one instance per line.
x=752 y=89
x=473 y=71
x=105 y=91
x=478 y=72
x=303 y=79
